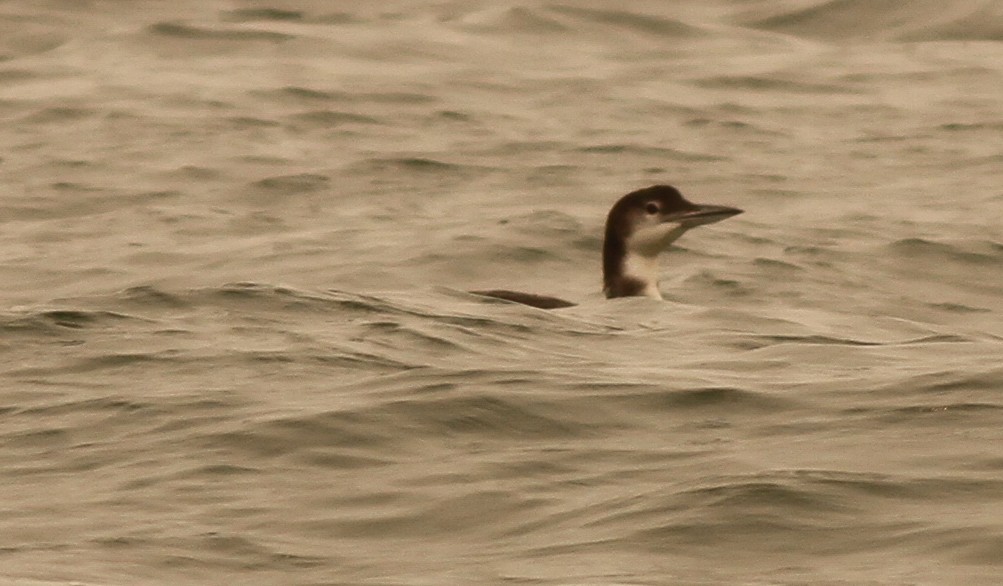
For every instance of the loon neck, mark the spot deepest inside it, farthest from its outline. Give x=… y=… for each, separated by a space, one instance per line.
x=632 y=275
x=630 y=265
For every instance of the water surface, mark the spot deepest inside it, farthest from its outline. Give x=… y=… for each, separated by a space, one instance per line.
x=236 y=344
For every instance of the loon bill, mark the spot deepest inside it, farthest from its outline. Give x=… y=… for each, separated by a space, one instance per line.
x=639 y=226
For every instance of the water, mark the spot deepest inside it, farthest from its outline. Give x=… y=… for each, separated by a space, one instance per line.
x=237 y=348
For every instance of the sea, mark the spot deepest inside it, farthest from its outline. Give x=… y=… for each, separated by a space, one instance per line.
x=237 y=343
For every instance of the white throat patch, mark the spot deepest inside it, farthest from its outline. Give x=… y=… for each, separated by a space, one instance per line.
x=649 y=240
x=643 y=248
x=643 y=269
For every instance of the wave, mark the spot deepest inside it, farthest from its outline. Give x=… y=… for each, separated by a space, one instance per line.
x=330 y=119
x=197 y=33
x=364 y=314
x=633 y=21
x=291 y=184
x=564 y=19
x=54 y=321
x=985 y=252
x=33 y=33
x=820 y=510
x=757 y=83
x=262 y=14
x=511 y=19
x=917 y=20
x=398 y=168
x=646 y=150
x=59 y=115
x=301 y=95
x=708 y=400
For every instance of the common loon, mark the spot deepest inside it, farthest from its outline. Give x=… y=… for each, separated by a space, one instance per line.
x=640 y=225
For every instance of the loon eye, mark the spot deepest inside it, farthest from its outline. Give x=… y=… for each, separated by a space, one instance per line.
x=651 y=207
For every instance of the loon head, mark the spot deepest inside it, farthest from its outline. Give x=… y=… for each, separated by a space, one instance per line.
x=642 y=224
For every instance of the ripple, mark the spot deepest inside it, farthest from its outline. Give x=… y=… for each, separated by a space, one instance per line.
x=712 y=399
x=971 y=252
x=186 y=31
x=512 y=19
x=661 y=152
x=664 y=27
x=292 y=184
x=773 y=84
x=53 y=321
x=261 y=14
x=331 y=119
x=961 y=20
